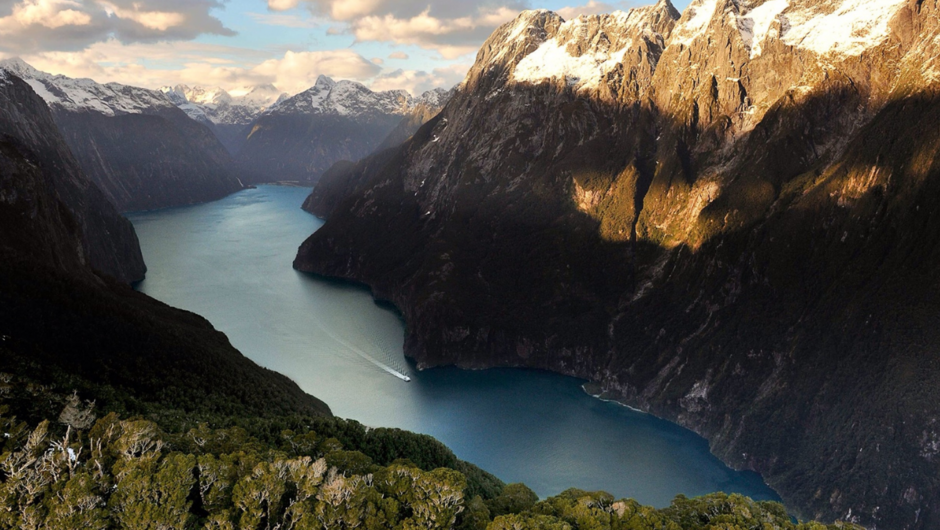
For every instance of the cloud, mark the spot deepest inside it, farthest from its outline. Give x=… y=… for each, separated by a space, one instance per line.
x=287 y=21
x=398 y=55
x=282 y=5
x=297 y=71
x=451 y=37
x=418 y=82
x=50 y=14
x=593 y=7
x=203 y=64
x=30 y=26
x=378 y=60
x=450 y=27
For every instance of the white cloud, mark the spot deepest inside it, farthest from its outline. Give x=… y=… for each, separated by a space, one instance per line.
x=378 y=60
x=30 y=26
x=593 y=7
x=50 y=14
x=417 y=82
x=297 y=71
x=451 y=37
x=287 y=21
x=398 y=55
x=155 y=20
x=282 y=5
x=453 y=28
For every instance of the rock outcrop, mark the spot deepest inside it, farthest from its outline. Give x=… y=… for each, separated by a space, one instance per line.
x=726 y=218
x=134 y=144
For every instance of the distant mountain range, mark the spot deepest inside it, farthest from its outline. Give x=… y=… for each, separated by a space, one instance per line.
x=728 y=218
x=230 y=117
x=302 y=136
x=180 y=145
x=135 y=144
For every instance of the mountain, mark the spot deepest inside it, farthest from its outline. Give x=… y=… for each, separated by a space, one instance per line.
x=118 y=411
x=423 y=108
x=228 y=116
x=133 y=143
x=63 y=321
x=726 y=218
x=51 y=211
x=301 y=137
x=345 y=175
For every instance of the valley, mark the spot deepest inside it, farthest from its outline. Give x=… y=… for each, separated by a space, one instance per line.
x=659 y=253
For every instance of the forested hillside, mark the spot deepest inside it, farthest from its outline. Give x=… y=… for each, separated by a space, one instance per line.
x=77 y=470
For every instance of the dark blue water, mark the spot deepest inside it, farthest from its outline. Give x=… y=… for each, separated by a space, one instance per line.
x=230 y=261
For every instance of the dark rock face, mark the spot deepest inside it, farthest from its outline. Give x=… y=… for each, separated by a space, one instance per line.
x=57 y=312
x=52 y=211
x=425 y=107
x=344 y=176
x=153 y=160
x=134 y=144
x=727 y=219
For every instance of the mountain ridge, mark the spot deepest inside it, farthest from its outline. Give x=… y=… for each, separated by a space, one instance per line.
x=702 y=225
x=301 y=137
x=134 y=143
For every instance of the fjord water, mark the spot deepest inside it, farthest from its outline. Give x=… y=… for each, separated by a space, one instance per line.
x=230 y=261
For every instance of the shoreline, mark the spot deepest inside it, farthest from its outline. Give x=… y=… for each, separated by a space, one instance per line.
x=595 y=391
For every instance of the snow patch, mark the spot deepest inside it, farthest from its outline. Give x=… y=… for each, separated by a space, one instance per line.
x=552 y=61
x=41 y=91
x=694 y=21
x=86 y=95
x=522 y=24
x=853 y=27
x=755 y=26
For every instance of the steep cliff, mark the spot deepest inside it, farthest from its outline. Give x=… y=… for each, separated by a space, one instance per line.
x=726 y=218
x=61 y=319
x=133 y=143
x=51 y=210
x=345 y=177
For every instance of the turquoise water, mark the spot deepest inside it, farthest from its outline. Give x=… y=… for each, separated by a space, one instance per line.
x=230 y=261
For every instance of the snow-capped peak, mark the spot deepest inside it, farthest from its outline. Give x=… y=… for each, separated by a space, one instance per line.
x=260 y=96
x=350 y=98
x=843 y=27
x=695 y=21
x=84 y=94
x=828 y=27
x=582 y=51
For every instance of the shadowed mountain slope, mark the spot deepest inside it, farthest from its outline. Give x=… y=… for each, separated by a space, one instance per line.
x=726 y=218
x=62 y=320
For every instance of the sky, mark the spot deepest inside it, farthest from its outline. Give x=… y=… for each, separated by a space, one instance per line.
x=414 y=45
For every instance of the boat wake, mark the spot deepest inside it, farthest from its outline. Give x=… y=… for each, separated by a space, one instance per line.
x=385 y=360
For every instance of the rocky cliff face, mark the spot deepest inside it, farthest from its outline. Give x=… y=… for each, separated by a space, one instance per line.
x=133 y=143
x=60 y=317
x=301 y=137
x=51 y=212
x=345 y=176
x=726 y=218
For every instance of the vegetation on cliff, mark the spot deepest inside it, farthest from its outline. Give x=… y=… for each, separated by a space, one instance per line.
x=297 y=472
